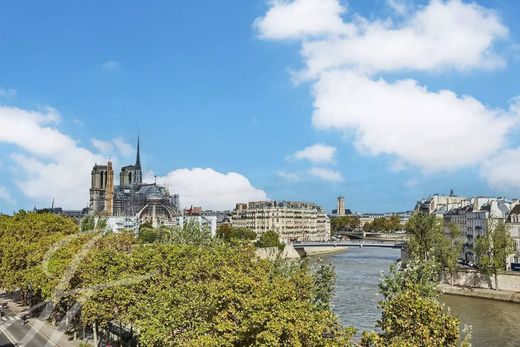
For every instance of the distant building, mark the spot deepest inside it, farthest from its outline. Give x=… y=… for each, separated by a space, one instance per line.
x=75 y=214
x=340 y=209
x=193 y=211
x=513 y=222
x=365 y=218
x=473 y=217
x=293 y=221
x=131 y=198
x=441 y=204
x=209 y=222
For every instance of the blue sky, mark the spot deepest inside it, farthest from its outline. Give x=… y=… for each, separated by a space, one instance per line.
x=229 y=87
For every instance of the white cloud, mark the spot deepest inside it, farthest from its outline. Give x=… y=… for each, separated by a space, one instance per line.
x=123 y=147
x=302 y=18
x=431 y=130
x=209 y=188
x=503 y=170
x=110 y=65
x=440 y=36
x=289 y=176
x=317 y=153
x=107 y=147
x=7 y=92
x=52 y=164
x=6 y=196
x=104 y=147
x=398 y=6
x=326 y=174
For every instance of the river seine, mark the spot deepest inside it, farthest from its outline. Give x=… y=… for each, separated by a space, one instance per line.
x=358 y=272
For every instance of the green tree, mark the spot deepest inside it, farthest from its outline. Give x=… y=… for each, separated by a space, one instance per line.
x=449 y=248
x=411 y=314
x=493 y=248
x=425 y=232
x=151 y=235
x=393 y=223
x=344 y=223
x=228 y=233
x=430 y=240
x=269 y=239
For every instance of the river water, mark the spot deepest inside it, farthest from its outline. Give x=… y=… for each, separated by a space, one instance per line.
x=358 y=272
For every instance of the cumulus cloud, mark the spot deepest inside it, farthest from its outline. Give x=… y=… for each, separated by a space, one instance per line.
x=317 y=153
x=107 y=147
x=52 y=164
x=431 y=130
x=302 y=18
x=123 y=147
x=6 y=196
x=414 y=126
x=110 y=65
x=442 y=35
x=400 y=7
x=102 y=146
x=326 y=174
x=209 y=188
x=502 y=171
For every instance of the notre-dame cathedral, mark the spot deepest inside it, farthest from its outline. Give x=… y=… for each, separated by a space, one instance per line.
x=131 y=198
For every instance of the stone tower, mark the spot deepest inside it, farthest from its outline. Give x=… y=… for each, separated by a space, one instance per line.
x=109 y=190
x=132 y=175
x=98 y=188
x=341 y=206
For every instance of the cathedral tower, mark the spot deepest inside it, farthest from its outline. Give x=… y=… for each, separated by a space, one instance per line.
x=98 y=187
x=132 y=175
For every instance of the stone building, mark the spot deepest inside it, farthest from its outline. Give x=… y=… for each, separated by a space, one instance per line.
x=293 y=221
x=473 y=219
x=147 y=202
x=513 y=223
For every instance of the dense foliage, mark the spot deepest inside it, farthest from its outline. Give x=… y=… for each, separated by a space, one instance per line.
x=411 y=314
x=384 y=224
x=180 y=287
x=229 y=233
x=183 y=289
x=269 y=239
x=344 y=223
x=493 y=248
x=431 y=239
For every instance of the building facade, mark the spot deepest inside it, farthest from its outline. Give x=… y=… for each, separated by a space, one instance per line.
x=293 y=221
x=473 y=218
x=513 y=223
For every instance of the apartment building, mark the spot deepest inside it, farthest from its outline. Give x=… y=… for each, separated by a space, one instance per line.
x=292 y=220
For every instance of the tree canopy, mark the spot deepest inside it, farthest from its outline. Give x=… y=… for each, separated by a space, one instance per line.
x=493 y=248
x=384 y=224
x=269 y=239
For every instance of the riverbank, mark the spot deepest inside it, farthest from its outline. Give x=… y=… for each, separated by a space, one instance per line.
x=289 y=252
x=500 y=295
x=317 y=251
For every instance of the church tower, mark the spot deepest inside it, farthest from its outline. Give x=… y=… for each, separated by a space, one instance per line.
x=98 y=188
x=138 y=173
x=132 y=175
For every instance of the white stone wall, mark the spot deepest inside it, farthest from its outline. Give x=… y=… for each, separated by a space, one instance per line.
x=473 y=279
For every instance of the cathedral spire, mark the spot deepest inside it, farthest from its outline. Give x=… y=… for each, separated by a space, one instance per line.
x=138 y=159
